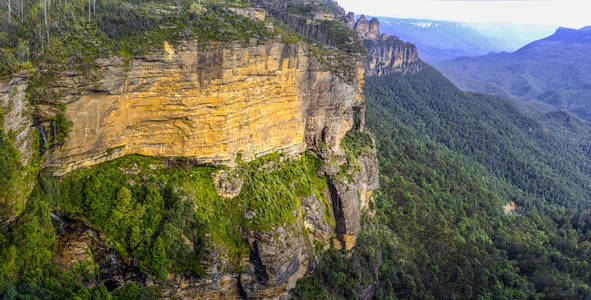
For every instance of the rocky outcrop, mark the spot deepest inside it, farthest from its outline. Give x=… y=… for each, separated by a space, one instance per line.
x=90 y=254
x=388 y=54
x=277 y=260
x=351 y=195
x=385 y=54
x=254 y=14
x=351 y=19
x=207 y=102
x=16 y=127
x=17 y=116
x=227 y=184
x=367 y=29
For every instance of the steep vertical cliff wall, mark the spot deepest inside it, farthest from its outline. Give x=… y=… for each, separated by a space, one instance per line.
x=385 y=54
x=17 y=120
x=16 y=147
x=351 y=196
x=213 y=103
x=208 y=102
x=388 y=54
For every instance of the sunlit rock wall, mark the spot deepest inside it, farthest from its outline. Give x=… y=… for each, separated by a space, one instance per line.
x=209 y=103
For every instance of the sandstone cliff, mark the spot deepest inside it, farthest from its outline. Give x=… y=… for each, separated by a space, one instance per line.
x=218 y=103
x=277 y=260
x=351 y=196
x=388 y=54
x=214 y=103
x=208 y=102
x=366 y=29
x=385 y=54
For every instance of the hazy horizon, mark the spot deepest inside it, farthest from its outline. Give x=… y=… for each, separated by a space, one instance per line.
x=557 y=13
x=460 y=21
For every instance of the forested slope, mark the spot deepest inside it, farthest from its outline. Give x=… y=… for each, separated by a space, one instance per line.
x=476 y=200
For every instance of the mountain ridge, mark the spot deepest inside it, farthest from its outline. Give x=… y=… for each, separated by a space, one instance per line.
x=553 y=70
x=441 y=40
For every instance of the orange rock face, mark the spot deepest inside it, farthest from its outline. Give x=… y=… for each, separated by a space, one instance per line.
x=208 y=103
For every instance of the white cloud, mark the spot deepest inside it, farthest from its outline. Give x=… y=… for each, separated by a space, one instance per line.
x=569 y=13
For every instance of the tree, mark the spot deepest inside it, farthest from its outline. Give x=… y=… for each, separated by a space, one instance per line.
x=124 y=204
x=10 y=176
x=45 y=17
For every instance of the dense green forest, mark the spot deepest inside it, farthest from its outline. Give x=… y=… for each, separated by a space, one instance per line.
x=449 y=163
x=154 y=210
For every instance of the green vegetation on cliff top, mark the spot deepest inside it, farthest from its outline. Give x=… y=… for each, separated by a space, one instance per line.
x=74 y=37
x=70 y=36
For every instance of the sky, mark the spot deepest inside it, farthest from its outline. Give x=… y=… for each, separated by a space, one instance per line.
x=567 y=13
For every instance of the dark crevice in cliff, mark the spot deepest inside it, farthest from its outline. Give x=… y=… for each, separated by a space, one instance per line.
x=325 y=135
x=358 y=118
x=259 y=268
x=338 y=213
x=241 y=292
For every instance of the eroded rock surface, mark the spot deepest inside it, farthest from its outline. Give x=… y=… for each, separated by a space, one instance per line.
x=88 y=252
x=17 y=116
x=17 y=128
x=277 y=260
x=367 y=29
x=208 y=103
x=385 y=54
x=351 y=195
x=388 y=54
x=255 y=14
x=227 y=184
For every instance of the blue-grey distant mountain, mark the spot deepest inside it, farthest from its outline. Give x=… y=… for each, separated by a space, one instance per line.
x=443 y=40
x=555 y=71
x=513 y=36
